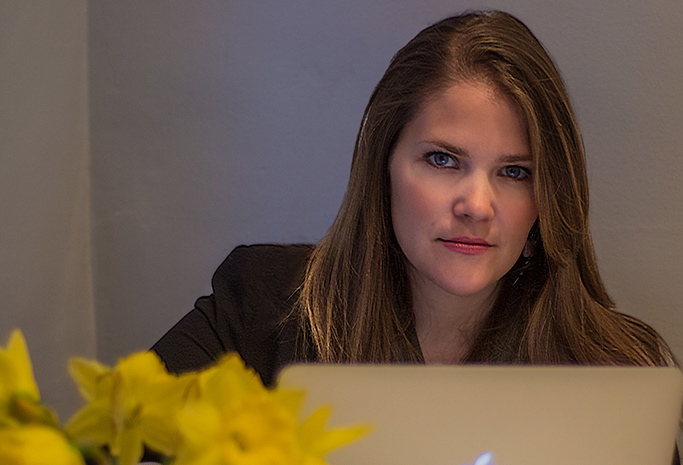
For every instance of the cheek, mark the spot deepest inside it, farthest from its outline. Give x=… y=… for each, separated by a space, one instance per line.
x=522 y=213
x=412 y=207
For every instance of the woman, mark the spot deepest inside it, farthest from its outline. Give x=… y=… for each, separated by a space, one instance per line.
x=463 y=236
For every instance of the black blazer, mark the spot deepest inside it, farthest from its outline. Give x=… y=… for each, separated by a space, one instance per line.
x=254 y=290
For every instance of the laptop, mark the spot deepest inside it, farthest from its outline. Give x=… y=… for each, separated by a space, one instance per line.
x=498 y=415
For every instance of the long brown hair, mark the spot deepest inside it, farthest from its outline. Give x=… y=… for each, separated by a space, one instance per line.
x=355 y=300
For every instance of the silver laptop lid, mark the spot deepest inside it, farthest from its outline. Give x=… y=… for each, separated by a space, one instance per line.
x=522 y=415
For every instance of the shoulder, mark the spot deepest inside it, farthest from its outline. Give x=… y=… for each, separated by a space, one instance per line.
x=268 y=265
x=268 y=257
x=260 y=281
x=255 y=293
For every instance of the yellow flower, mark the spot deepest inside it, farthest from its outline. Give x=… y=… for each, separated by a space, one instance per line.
x=19 y=396
x=229 y=379
x=316 y=442
x=260 y=431
x=16 y=372
x=36 y=445
x=235 y=420
x=134 y=403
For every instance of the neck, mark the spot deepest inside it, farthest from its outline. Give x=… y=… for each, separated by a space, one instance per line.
x=447 y=324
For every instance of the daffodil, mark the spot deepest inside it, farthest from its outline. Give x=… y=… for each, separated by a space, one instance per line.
x=132 y=404
x=260 y=431
x=16 y=371
x=229 y=376
x=19 y=395
x=316 y=441
x=36 y=445
x=235 y=420
x=221 y=416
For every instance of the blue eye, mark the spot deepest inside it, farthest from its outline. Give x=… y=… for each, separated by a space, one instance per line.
x=442 y=160
x=518 y=173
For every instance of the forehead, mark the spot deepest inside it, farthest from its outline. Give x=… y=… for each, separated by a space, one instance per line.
x=470 y=114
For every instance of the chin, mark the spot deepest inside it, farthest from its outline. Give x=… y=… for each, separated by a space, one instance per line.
x=467 y=289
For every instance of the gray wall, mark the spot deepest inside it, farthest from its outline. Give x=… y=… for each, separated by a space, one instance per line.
x=45 y=269
x=215 y=123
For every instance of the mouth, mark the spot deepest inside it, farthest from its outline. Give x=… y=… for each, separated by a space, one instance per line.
x=467 y=245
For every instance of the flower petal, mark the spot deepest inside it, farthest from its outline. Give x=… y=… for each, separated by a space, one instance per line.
x=92 y=424
x=160 y=433
x=87 y=374
x=317 y=441
x=199 y=423
x=16 y=371
x=131 y=446
x=36 y=445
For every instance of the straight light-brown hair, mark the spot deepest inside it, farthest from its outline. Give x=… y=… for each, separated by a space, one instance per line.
x=355 y=301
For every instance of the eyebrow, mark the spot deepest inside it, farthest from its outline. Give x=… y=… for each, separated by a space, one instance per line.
x=512 y=158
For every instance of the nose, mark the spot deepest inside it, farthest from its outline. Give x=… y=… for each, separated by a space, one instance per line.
x=474 y=198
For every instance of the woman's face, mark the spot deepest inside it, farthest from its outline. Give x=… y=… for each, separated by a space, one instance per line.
x=462 y=198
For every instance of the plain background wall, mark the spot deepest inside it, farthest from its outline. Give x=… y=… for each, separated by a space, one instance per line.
x=45 y=270
x=216 y=123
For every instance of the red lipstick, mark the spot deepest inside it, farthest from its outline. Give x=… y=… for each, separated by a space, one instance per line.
x=466 y=245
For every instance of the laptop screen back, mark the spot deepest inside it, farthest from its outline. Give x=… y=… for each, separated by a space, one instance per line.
x=522 y=415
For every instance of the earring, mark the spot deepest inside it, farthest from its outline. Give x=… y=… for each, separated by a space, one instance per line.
x=532 y=241
x=528 y=250
x=527 y=253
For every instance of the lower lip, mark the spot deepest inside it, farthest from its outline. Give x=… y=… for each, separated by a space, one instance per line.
x=466 y=249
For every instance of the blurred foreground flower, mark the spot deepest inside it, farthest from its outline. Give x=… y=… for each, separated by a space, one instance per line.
x=29 y=431
x=19 y=396
x=36 y=445
x=132 y=404
x=235 y=420
x=16 y=372
x=220 y=416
